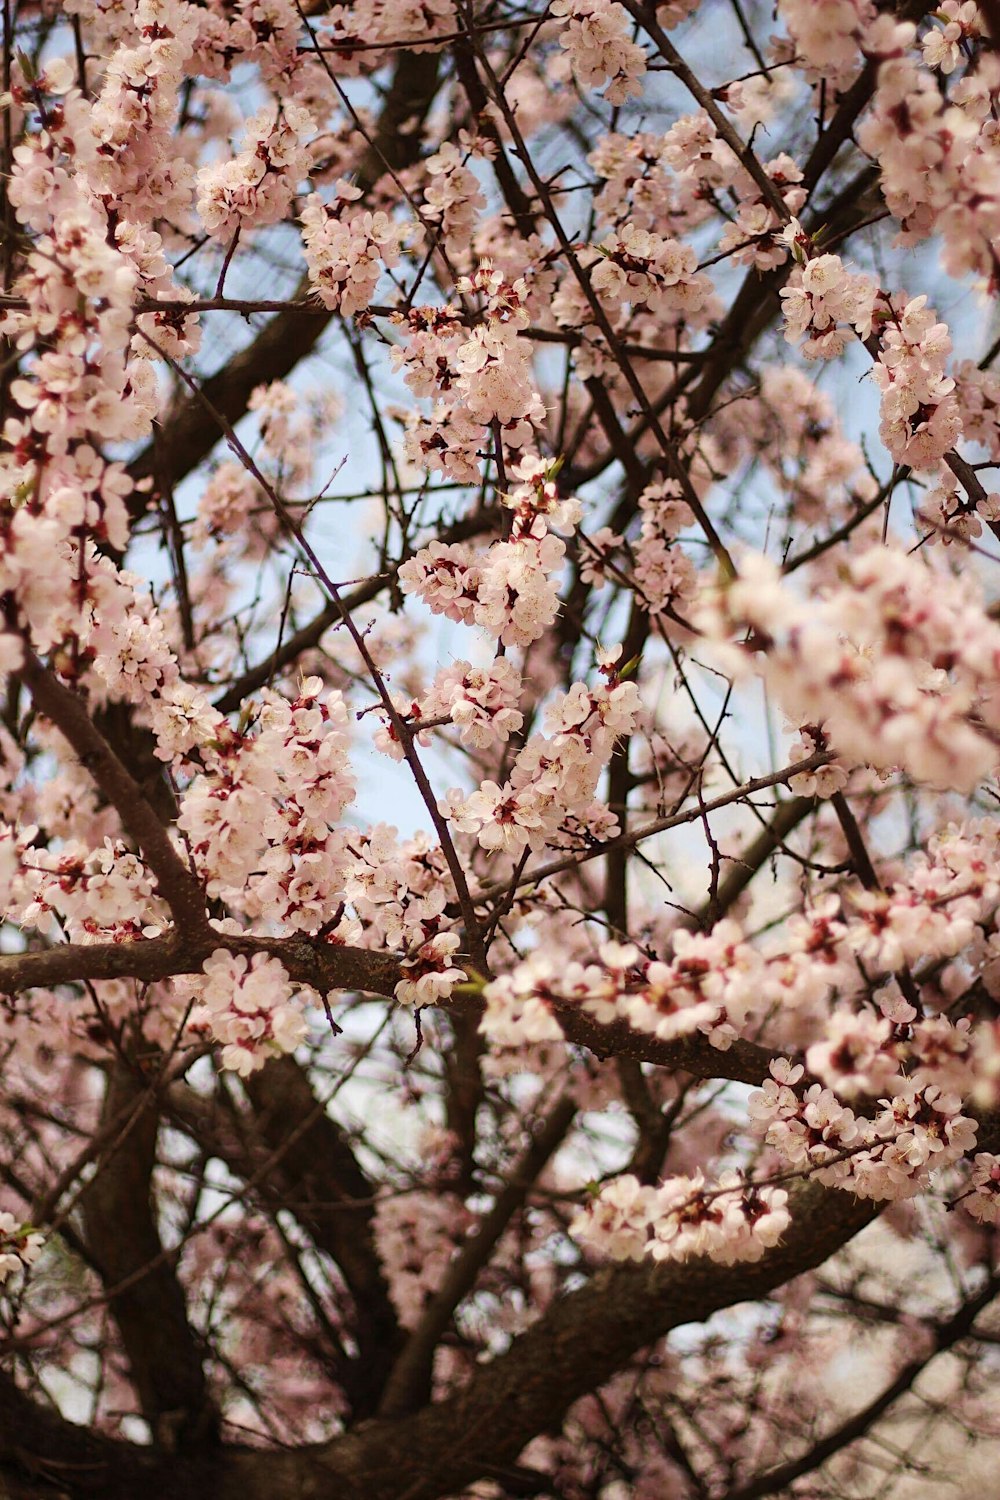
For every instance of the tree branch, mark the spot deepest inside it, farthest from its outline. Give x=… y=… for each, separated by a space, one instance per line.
x=121 y=1234
x=574 y=1348
x=318 y=1174
x=323 y=966
x=659 y=825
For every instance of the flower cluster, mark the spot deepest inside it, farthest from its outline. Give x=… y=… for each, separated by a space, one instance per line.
x=702 y=160
x=713 y=984
x=727 y=1221
x=827 y=35
x=642 y=268
x=888 y=1156
x=950 y=515
x=664 y=573
x=133 y=659
x=247 y=1007
x=417 y=1235
x=536 y=501
x=453 y=198
x=982 y=1200
x=754 y=238
x=820 y=298
x=413 y=24
x=481 y=376
x=136 y=169
x=267 y=33
x=480 y=701
x=716 y=982
x=256 y=187
x=493 y=365
x=346 y=252
x=47 y=163
x=226 y=502
x=172 y=333
x=896 y=663
x=550 y=796
x=510 y=590
x=429 y=975
x=79 y=291
x=399 y=893
x=20 y=1246
x=936 y=147
x=921 y=419
x=495 y=378
x=596 y=37
x=79 y=389
x=98 y=895
x=639 y=186
x=261 y=817
x=945 y=45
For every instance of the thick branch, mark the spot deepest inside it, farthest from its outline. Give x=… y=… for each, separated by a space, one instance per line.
x=742 y=1062
x=121 y=1233
x=328 y=968
x=324 y=966
x=330 y=1196
x=574 y=1348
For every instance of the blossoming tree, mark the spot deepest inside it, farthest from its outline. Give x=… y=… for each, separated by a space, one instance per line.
x=540 y=425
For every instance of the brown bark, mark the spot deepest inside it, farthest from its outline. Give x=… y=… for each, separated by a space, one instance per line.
x=122 y=1238
x=574 y=1347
